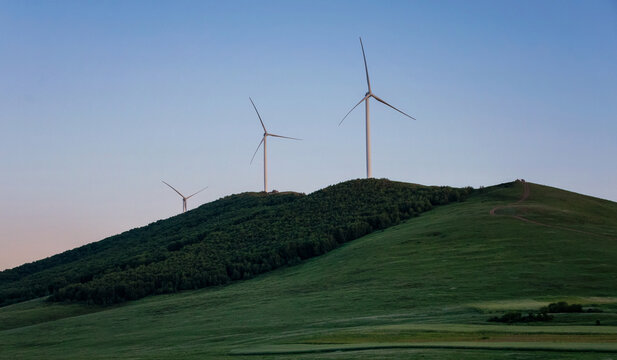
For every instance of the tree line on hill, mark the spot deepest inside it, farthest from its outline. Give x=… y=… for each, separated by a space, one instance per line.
x=233 y=238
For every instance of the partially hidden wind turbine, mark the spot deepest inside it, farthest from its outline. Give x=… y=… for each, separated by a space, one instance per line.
x=263 y=140
x=184 y=198
x=369 y=94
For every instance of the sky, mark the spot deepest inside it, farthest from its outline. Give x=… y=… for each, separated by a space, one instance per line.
x=101 y=100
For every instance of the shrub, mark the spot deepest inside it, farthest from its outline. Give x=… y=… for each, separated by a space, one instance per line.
x=517 y=317
x=562 y=307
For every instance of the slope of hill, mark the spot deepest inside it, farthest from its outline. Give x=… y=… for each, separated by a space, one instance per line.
x=229 y=239
x=422 y=289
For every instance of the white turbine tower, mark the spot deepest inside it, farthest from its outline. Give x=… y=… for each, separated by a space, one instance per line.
x=369 y=94
x=263 y=140
x=184 y=198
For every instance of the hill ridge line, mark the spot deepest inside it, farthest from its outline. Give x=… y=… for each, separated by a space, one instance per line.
x=524 y=196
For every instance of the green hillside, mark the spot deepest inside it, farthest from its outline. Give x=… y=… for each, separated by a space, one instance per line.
x=233 y=238
x=422 y=289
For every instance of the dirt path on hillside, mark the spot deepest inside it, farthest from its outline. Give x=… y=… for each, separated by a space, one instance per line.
x=526 y=193
x=523 y=198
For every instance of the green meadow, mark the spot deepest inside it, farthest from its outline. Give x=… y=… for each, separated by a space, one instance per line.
x=422 y=289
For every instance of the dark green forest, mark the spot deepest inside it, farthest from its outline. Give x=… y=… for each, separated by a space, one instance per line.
x=233 y=238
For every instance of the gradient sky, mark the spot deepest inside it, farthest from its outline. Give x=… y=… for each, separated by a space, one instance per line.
x=101 y=100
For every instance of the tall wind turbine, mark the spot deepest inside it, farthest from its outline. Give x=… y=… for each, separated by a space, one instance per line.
x=263 y=140
x=184 y=198
x=369 y=94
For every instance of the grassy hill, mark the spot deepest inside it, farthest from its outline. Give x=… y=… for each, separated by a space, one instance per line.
x=424 y=288
x=233 y=238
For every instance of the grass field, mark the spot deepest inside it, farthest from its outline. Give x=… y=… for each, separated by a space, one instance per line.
x=421 y=289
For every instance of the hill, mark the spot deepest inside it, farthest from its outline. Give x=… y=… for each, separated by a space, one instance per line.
x=422 y=289
x=233 y=238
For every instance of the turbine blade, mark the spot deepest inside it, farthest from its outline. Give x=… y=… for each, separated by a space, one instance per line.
x=258 y=146
x=383 y=102
x=359 y=102
x=174 y=189
x=368 y=81
x=188 y=197
x=284 y=137
x=259 y=116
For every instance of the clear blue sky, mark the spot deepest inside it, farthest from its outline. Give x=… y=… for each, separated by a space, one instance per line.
x=101 y=100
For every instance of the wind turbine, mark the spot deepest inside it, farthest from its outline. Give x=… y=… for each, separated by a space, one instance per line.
x=263 y=140
x=369 y=94
x=184 y=198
